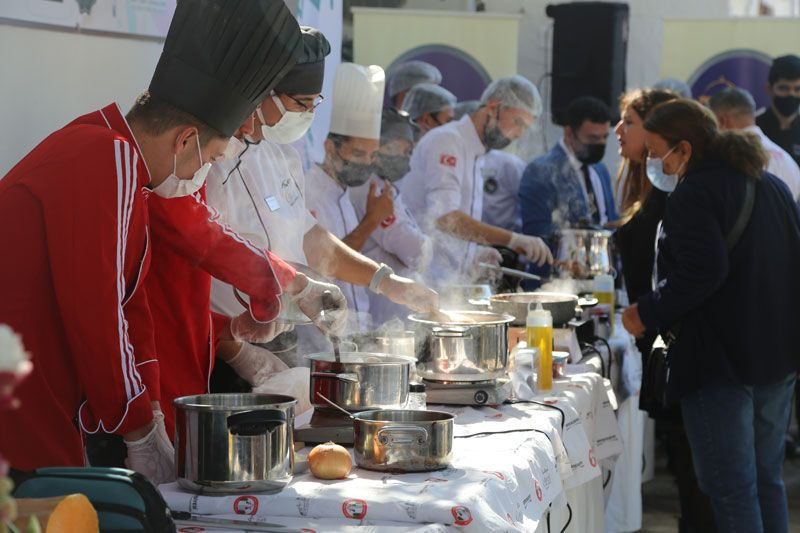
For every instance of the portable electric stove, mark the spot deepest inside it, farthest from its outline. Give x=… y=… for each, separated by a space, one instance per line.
x=492 y=392
x=326 y=425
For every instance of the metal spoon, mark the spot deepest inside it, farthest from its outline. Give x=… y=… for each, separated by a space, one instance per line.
x=327 y=304
x=338 y=408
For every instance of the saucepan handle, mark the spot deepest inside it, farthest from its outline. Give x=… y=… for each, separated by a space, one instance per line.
x=460 y=332
x=391 y=435
x=255 y=422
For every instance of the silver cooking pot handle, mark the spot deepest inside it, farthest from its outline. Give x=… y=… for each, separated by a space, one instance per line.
x=461 y=332
x=350 y=378
x=391 y=435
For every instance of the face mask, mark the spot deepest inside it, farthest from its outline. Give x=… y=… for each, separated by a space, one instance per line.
x=291 y=127
x=354 y=174
x=494 y=139
x=234 y=149
x=655 y=173
x=786 y=105
x=591 y=153
x=174 y=187
x=392 y=167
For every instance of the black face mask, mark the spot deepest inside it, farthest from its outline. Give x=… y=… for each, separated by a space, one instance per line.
x=493 y=139
x=590 y=154
x=392 y=167
x=786 y=105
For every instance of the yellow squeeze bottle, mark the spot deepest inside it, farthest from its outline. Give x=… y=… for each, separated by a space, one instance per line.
x=539 y=329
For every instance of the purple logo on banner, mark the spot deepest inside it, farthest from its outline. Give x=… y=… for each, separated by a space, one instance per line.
x=462 y=74
x=747 y=69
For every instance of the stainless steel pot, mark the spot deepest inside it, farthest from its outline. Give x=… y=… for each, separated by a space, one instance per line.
x=471 y=347
x=360 y=381
x=562 y=306
x=404 y=441
x=390 y=342
x=232 y=443
x=583 y=253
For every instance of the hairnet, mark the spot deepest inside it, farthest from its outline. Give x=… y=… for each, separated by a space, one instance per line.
x=675 y=85
x=427 y=98
x=406 y=75
x=514 y=91
x=467 y=107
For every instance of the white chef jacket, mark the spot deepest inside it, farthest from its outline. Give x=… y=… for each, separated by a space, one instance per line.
x=330 y=203
x=502 y=173
x=780 y=163
x=444 y=177
x=597 y=186
x=261 y=195
x=398 y=241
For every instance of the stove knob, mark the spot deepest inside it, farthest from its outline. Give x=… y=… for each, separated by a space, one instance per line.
x=481 y=397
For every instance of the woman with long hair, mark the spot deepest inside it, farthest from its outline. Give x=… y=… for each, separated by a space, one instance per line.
x=724 y=296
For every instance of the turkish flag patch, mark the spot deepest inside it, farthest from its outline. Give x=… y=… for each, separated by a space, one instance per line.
x=448 y=160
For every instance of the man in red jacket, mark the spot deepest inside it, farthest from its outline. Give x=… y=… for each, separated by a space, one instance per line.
x=74 y=230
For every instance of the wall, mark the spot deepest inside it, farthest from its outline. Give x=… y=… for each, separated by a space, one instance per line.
x=49 y=77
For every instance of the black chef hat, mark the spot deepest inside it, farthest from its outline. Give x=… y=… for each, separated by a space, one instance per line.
x=307 y=74
x=396 y=125
x=221 y=57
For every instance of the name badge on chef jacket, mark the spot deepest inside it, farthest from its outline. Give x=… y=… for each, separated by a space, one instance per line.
x=272 y=203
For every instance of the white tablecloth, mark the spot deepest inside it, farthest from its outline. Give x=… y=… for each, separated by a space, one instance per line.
x=497 y=482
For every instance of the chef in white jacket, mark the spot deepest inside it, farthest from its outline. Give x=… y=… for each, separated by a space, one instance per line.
x=262 y=194
x=444 y=189
x=398 y=241
x=349 y=151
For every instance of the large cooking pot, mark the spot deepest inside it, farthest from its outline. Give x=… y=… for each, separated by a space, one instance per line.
x=583 y=253
x=462 y=345
x=360 y=381
x=403 y=441
x=390 y=342
x=232 y=443
x=562 y=306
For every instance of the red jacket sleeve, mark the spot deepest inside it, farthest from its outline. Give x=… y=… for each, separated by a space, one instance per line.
x=137 y=311
x=194 y=231
x=89 y=216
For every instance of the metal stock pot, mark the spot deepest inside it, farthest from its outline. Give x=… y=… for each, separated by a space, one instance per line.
x=583 y=253
x=232 y=443
x=360 y=381
x=471 y=347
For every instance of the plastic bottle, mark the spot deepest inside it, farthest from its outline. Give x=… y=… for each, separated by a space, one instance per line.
x=603 y=290
x=539 y=329
x=417 y=397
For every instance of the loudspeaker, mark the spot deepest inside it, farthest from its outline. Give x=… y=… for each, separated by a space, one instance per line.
x=590 y=47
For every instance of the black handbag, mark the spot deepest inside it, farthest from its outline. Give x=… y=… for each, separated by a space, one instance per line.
x=655 y=374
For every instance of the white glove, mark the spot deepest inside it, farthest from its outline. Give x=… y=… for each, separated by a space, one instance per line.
x=253 y=363
x=487 y=254
x=153 y=455
x=405 y=291
x=309 y=300
x=294 y=382
x=533 y=248
x=244 y=328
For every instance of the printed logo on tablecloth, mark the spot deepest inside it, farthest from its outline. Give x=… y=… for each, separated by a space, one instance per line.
x=355 y=509
x=509 y=519
x=592 y=460
x=411 y=509
x=496 y=415
x=436 y=480
x=245 y=505
x=551 y=402
x=462 y=515
x=302 y=505
x=538 y=488
x=306 y=530
x=498 y=475
x=191 y=529
x=448 y=160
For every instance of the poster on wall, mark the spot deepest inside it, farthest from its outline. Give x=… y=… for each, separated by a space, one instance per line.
x=143 y=18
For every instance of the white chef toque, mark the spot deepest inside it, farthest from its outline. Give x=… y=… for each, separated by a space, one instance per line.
x=357 y=101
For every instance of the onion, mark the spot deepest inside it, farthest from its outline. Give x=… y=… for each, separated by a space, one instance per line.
x=330 y=461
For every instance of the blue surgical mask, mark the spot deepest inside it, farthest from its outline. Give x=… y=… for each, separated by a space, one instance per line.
x=660 y=179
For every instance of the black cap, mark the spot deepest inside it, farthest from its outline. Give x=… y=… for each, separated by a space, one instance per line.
x=308 y=73
x=396 y=125
x=784 y=67
x=221 y=58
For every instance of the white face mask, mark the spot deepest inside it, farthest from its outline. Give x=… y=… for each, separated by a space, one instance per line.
x=174 y=187
x=660 y=179
x=234 y=149
x=291 y=127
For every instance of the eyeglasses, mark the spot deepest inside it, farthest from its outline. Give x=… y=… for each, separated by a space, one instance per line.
x=308 y=107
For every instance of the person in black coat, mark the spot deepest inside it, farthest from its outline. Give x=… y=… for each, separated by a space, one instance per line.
x=734 y=358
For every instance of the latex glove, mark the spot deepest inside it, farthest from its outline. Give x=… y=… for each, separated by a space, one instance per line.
x=533 y=248
x=487 y=254
x=405 y=291
x=253 y=363
x=293 y=382
x=309 y=300
x=153 y=455
x=244 y=328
